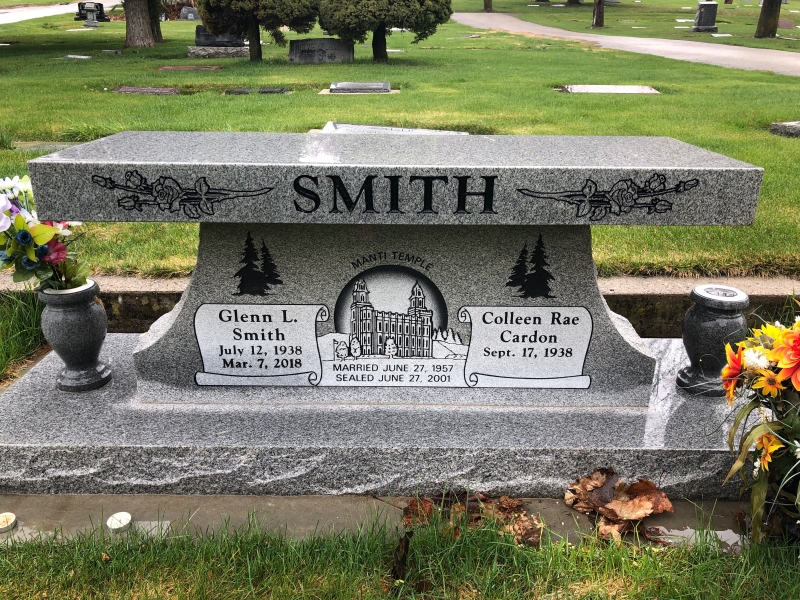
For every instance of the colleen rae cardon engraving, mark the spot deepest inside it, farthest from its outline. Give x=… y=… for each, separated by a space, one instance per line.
x=533 y=347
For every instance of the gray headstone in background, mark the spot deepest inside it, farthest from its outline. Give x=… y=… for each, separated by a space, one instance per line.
x=91 y=15
x=320 y=50
x=226 y=40
x=334 y=127
x=218 y=51
x=785 y=24
x=787 y=128
x=360 y=87
x=705 y=21
x=189 y=14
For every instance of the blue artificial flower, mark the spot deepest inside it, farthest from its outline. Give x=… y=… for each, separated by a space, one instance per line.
x=42 y=250
x=28 y=264
x=24 y=238
x=5 y=256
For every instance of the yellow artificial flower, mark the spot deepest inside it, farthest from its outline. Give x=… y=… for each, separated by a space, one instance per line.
x=28 y=235
x=767 y=443
x=767 y=334
x=769 y=383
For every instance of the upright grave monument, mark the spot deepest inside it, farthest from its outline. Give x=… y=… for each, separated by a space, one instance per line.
x=383 y=313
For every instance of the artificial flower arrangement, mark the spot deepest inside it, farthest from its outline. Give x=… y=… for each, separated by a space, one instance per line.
x=36 y=249
x=764 y=370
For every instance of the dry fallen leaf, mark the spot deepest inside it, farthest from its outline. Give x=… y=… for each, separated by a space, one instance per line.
x=527 y=530
x=619 y=504
x=418 y=512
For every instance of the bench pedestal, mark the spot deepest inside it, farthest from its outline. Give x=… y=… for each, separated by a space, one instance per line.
x=384 y=315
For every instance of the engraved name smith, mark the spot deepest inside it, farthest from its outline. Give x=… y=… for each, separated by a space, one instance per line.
x=436 y=192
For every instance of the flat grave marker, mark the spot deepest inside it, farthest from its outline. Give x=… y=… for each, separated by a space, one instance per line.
x=608 y=89
x=189 y=67
x=334 y=127
x=149 y=91
x=360 y=87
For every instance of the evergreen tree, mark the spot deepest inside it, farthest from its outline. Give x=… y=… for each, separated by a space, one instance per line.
x=251 y=280
x=247 y=17
x=391 y=348
x=353 y=20
x=537 y=281
x=519 y=270
x=268 y=268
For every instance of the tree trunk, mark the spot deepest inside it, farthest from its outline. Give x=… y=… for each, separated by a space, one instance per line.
x=768 y=21
x=598 y=15
x=254 y=37
x=487 y=6
x=138 y=33
x=155 y=9
x=379 y=53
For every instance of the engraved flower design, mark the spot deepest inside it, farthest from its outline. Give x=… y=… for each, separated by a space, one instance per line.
x=134 y=179
x=622 y=197
x=167 y=193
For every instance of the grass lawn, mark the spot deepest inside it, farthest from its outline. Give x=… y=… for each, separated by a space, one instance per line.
x=18 y=3
x=656 y=17
x=479 y=563
x=495 y=84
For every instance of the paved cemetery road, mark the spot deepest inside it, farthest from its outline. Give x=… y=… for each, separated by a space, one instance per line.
x=23 y=13
x=735 y=57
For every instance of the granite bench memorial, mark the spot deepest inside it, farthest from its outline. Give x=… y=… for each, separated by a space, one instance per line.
x=379 y=313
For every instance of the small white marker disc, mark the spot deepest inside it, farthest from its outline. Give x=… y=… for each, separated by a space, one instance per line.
x=7 y=522
x=119 y=522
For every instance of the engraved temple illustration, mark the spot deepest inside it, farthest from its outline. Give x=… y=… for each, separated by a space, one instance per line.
x=411 y=332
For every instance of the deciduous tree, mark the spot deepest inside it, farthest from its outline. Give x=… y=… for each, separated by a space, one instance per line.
x=247 y=17
x=768 y=19
x=138 y=30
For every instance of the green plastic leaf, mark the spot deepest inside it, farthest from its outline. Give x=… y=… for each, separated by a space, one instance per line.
x=43 y=271
x=758 y=496
x=744 y=448
x=742 y=415
x=21 y=275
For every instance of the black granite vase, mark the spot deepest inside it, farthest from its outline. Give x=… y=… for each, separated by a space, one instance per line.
x=715 y=319
x=74 y=325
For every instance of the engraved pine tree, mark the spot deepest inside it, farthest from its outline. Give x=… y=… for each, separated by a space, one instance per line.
x=251 y=281
x=520 y=270
x=537 y=281
x=268 y=268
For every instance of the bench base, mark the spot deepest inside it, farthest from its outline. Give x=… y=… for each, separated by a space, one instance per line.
x=113 y=440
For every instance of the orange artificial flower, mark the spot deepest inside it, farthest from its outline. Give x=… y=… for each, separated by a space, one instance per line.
x=767 y=443
x=732 y=371
x=786 y=352
x=769 y=383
